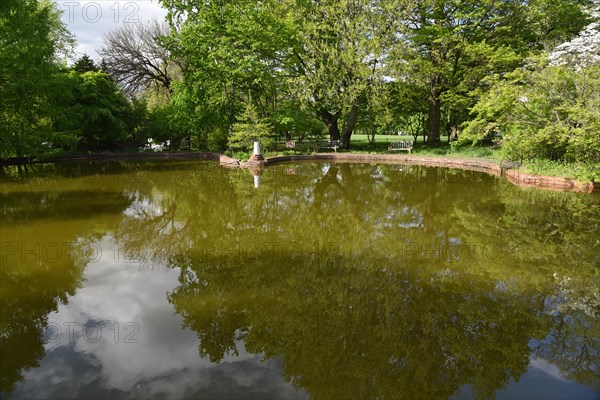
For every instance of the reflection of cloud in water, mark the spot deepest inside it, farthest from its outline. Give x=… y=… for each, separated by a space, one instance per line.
x=164 y=362
x=150 y=208
x=144 y=207
x=545 y=367
x=242 y=379
x=67 y=373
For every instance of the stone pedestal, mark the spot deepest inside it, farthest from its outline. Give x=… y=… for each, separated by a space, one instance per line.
x=256 y=158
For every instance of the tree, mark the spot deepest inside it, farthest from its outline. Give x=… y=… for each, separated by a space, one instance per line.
x=328 y=56
x=543 y=111
x=93 y=109
x=338 y=56
x=134 y=56
x=334 y=56
x=453 y=45
x=33 y=44
x=85 y=64
x=295 y=120
x=251 y=128
x=583 y=50
x=408 y=106
x=228 y=49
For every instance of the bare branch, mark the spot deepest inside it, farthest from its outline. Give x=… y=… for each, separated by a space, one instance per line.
x=134 y=57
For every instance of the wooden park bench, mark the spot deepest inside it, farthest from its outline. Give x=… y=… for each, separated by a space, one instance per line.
x=400 y=146
x=330 y=144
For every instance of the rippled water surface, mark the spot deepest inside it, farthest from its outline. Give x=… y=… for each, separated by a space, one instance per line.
x=325 y=281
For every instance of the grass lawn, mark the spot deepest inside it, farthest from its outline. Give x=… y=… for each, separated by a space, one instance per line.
x=360 y=140
x=360 y=143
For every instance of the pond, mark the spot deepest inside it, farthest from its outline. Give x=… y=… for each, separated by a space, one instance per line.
x=182 y=279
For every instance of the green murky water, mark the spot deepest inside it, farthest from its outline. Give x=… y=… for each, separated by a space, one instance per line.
x=186 y=280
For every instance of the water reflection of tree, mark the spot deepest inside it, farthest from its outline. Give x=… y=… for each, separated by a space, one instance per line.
x=572 y=345
x=169 y=215
x=44 y=237
x=281 y=266
x=362 y=274
x=559 y=259
x=372 y=330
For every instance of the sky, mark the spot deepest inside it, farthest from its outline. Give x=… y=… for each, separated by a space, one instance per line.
x=89 y=20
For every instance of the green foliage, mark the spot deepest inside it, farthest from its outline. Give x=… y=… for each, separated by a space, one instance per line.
x=340 y=55
x=452 y=46
x=46 y=108
x=542 y=111
x=32 y=41
x=318 y=58
x=251 y=128
x=85 y=64
x=230 y=49
x=137 y=121
x=583 y=171
x=156 y=123
x=95 y=108
x=291 y=117
x=306 y=68
x=161 y=127
x=239 y=155
x=202 y=114
x=407 y=104
x=334 y=59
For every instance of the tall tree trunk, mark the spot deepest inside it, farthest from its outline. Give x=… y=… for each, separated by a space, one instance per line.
x=331 y=122
x=349 y=125
x=433 y=133
x=231 y=104
x=330 y=178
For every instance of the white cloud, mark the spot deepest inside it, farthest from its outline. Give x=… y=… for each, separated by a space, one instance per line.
x=89 y=20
